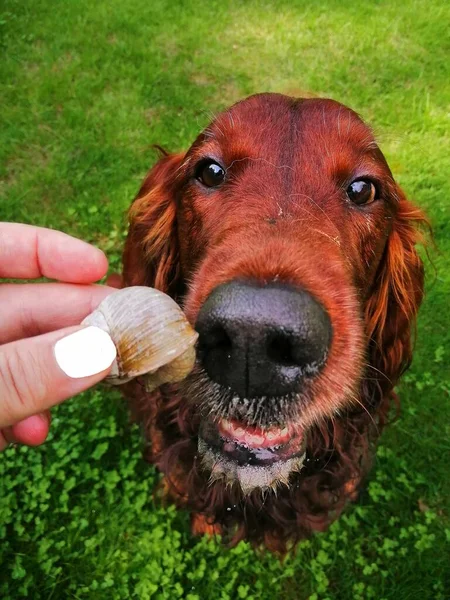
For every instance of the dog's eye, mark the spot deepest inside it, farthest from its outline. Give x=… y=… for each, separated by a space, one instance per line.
x=362 y=191
x=210 y=174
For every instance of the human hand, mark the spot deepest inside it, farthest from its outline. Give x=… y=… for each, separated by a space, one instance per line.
x=37 y=372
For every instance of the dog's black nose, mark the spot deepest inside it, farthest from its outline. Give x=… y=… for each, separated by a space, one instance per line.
x=262 y=340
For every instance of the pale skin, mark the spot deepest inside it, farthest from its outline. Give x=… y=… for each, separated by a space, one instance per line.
x=34 y=316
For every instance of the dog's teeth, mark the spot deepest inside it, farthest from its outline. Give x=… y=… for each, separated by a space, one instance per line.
x=226 y=425
x=255 y=440
x=253 y=436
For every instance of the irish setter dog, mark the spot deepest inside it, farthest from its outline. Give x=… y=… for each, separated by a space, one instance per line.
x=284 y=237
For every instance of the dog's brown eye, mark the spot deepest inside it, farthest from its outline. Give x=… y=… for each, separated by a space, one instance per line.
x=210 y=174
x=361 y=191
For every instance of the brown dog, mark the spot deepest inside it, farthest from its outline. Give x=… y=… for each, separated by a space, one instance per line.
x=285 y=238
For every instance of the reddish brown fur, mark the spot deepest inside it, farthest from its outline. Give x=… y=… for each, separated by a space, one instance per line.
x=283 y=216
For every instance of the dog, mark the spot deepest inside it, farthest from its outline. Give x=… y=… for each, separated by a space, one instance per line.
x=292 y=250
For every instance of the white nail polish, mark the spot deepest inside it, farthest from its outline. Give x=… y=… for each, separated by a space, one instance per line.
x=85 y=352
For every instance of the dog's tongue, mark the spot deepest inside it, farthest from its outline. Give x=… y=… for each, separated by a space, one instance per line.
x=253 y=437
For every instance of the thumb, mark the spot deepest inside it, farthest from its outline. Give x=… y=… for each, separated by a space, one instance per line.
x=115 y=280
x=39 y=372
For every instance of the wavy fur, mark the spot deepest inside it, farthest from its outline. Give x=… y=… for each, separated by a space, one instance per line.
x=169 y=248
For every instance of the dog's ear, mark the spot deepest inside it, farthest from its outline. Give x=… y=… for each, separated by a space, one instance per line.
x=151 y=255
x=397 y=293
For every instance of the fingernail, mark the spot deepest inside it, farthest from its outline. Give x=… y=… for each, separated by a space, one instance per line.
x=85 y=352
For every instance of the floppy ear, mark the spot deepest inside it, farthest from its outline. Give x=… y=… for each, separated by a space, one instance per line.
x=151 y=249
x=397 y=294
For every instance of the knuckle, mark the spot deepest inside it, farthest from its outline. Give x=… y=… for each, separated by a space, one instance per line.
x=21 y=382
x=10 y=391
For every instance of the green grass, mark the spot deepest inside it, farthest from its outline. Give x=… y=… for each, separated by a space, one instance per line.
x=87 y=87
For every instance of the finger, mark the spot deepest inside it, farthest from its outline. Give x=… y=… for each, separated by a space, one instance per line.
x=30 y=309
x=8 y=435
x=3 y=443
x=115 y=280
x=33 y=430
x=40 y=372
x=28 y=252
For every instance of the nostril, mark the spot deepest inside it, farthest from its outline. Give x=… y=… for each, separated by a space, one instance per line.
x=216 y=338
x=288 y=350
x=280 y=350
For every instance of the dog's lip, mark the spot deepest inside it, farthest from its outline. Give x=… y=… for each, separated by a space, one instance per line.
x=250 y=445
x=253 y=437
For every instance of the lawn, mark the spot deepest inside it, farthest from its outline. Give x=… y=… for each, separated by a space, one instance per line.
x=87 y=88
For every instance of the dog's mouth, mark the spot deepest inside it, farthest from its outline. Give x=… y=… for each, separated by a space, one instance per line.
x=251 y=442
x=253 y=456
x=249 y=445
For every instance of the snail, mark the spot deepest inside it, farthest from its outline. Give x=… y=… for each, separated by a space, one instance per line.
x=151 y=333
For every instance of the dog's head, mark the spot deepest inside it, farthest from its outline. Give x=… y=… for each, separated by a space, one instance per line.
x=284 y=236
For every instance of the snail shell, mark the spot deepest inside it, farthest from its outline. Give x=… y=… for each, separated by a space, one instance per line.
x=151 y=333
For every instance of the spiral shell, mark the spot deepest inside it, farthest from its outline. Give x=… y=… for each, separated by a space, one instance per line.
x=152 y=336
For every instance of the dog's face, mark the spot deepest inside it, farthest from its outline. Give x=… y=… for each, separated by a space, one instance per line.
x=284 y=211
x=283 y=216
